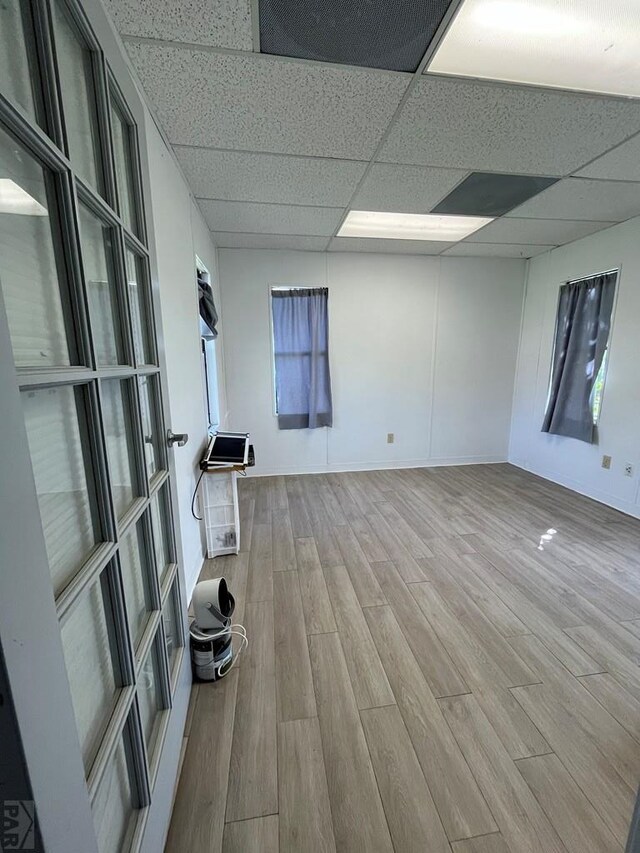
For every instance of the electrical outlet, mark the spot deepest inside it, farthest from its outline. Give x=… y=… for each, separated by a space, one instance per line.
x=606 y=462
x=390 y=438
x=628 y=470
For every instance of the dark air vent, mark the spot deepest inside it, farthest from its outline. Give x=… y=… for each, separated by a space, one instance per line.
x=392 y=34
x=488 y=194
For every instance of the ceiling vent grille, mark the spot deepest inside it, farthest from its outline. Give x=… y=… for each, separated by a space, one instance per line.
x=390 y=34
x=490 y=194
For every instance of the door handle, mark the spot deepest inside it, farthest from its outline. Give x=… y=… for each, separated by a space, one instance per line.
x=179 y=438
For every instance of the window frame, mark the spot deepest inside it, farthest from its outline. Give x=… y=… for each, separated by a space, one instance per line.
x=271 y=288
x=617 y=268
x=209 y=384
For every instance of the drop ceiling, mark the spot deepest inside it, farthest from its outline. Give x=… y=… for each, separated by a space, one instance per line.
x=278 y=149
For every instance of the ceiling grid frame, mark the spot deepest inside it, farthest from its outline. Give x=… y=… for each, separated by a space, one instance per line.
x=377 y=158
x=430 y=51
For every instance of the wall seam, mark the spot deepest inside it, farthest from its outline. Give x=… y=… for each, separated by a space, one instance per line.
x=549 y=290
x=516 y=375
x=326 y=284
x=434 y=354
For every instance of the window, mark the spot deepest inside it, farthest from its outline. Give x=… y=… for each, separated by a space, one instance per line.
x=580 y=354
x=209 y=362
x=598 y=388
x=208 y=335
x=301 y=357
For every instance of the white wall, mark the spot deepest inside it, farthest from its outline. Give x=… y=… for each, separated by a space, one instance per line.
x=180 y=235
x=566 y=460
x=421 y=347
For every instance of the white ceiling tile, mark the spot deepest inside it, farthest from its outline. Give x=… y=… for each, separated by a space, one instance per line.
x=260 y=103
x=496 y=250
x=270 y=218
x=497 y=127
x=242 y=176
x=542 y=232
x=575 y=198
x=393 y=247
x=225 y=23
x=621 y=164
x=405 y=189
x=269 y=241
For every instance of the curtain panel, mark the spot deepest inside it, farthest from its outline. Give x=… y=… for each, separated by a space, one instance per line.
x=582 y=332
x=301 y=353
x=207 y=308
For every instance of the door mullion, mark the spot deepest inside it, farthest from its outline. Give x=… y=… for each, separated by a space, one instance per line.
x=91 y=570
x=138 y=438
x=139 y=764
x=165 y=671
x=41 y=15
x=122 y=640
x=104 y=126
x=101 y=463
x=110 y=740
x=123 y=288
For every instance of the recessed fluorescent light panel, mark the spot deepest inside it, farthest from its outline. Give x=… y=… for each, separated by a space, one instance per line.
x=13 y=199
x=410 y=226
x=490 y=194
x=391 y=34
x=589 y=46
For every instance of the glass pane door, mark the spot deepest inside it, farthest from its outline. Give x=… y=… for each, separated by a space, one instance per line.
x=75 y=286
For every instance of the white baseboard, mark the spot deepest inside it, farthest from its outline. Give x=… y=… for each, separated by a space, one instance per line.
x=340 y=467
x=628 y=507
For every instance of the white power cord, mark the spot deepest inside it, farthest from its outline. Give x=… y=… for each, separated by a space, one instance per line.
x=235 y=630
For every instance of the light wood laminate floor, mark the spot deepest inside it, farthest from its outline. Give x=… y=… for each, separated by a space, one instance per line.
x=441 y=660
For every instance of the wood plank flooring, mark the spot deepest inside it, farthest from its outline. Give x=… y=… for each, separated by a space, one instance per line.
x=441 y=660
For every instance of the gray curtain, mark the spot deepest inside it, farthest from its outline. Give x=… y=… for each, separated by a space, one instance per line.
x=301 y=349
x=207 y=306
x=582 y=332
